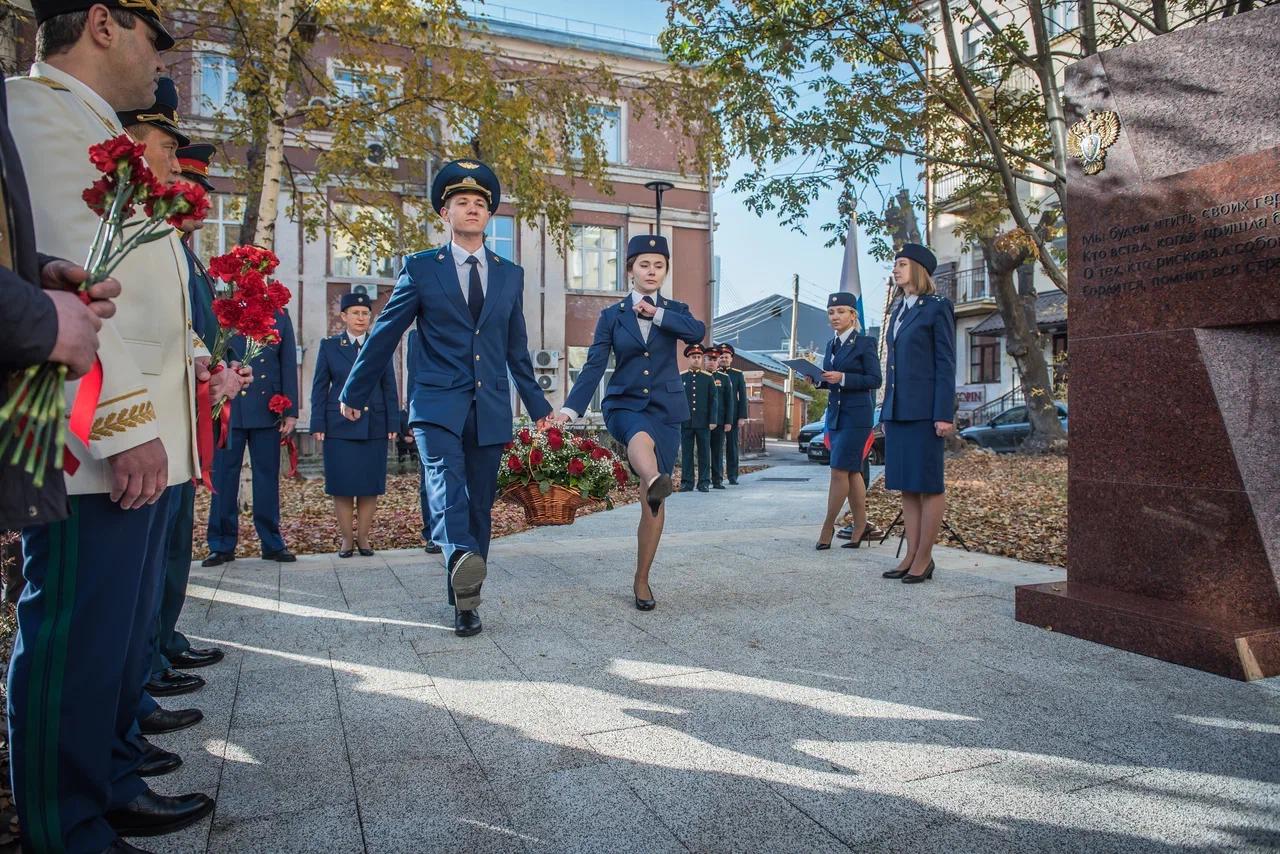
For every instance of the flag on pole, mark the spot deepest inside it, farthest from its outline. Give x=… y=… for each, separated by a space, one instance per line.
x=849 y=278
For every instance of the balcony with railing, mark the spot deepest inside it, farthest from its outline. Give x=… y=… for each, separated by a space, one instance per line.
x=965 y=286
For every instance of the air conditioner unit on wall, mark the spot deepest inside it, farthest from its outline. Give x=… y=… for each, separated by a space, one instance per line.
x=548 y=382
x=546 y=360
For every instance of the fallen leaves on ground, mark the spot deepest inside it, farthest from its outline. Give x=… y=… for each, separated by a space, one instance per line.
x=1011 y=505
x=308 y=524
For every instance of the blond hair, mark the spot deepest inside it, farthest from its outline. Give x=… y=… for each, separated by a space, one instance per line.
x=921 y=280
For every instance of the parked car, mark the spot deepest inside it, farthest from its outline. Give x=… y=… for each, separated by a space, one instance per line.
x=1007 y=431
x=817 y=451
x=808 y=431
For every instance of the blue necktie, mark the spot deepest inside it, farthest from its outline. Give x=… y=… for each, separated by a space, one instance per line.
x=475 y=293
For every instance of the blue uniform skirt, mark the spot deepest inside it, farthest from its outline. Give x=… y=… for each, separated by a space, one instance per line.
x=355 y=467
x=846 y=447
x=623 y=425
x=913 y=457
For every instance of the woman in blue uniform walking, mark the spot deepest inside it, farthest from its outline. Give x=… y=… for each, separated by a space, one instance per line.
x=919 y=406
x=851 y=373
x=355 y=452
x=645 y=402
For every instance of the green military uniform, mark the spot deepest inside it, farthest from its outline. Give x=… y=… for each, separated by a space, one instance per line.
x=724 y=414
x=704 y=404
x=738 y=391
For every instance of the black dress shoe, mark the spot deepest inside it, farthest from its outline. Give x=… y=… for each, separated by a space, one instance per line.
x=644 y=604
x=466 y=623
x=467 y=571
x=218 y=559
x=366 y=552
x=282 y=556
x=704 y=488
x=157 y=761
x=733 y=483
x=686 y=489
x=432 y=549
x=162 y=721
x=921 y=578
x=194 y=658
x=346 y=552
x=658 y=492
x=717 y=486
x=172 y=682
x=895 y=573
x=150 y=814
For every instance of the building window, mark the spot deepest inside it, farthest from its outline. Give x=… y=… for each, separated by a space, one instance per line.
x=577 y=359
x=353 y=85
x=593 y=260
x=610 y=116
x=364 y=258
x=221 y=229
x=1062 y=16
x=500 y=237
x=984 y=359
x=971 y=44
x=216 y=76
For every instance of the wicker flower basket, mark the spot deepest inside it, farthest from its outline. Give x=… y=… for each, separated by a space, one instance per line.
x=557 y=506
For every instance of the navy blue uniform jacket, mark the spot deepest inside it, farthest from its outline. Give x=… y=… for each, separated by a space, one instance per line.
x=643 y=372
x=274 y=372
x=333 y=366
x=920 y=378
x=852 y=404
x=463 y=361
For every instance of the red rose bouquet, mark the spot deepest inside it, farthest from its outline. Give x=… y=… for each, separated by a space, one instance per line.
x=32 y=423
x=556 y=458
x=246 y=302
x=280 y=404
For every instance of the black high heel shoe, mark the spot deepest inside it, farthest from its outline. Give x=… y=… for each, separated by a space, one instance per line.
x=921 y=578
x=854 y=542
x=895 y=573
x=643 y=604
x=657 y=492
x=346 y=552
x=821 y=547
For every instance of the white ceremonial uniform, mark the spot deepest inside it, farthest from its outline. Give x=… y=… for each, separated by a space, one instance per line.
x=147 y=349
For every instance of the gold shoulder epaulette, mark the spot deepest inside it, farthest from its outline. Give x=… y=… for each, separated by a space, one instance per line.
x=45 y=81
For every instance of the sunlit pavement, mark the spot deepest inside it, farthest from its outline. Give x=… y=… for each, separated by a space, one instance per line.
x=778 y=699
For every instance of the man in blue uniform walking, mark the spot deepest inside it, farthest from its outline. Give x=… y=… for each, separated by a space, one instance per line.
x=469 y=307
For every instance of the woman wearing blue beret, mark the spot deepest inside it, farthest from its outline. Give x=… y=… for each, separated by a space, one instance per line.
x=355 y=452
x=645 y=402
x=918 y=411
x=850 y=374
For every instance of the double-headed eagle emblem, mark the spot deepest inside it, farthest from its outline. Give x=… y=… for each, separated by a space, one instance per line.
x=1089 y=139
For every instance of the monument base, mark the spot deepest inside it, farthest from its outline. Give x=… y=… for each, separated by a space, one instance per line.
x=1152 y=627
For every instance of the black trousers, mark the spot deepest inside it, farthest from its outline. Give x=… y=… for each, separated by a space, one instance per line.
x=717 y=456
x=731 y=454
x=689 y=438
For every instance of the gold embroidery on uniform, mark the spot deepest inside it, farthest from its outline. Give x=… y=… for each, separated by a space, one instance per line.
x=54 y=85
x=103 y=403
x=150 y=5
x=123 y=420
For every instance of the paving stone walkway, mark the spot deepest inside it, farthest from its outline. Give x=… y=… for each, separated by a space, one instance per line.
x=779 y=699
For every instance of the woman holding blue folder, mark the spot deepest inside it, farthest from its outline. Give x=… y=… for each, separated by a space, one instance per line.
x=850 y=374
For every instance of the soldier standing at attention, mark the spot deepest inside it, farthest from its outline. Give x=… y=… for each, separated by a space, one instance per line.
x=738 y=391
x=723 y=417
x=700 y=389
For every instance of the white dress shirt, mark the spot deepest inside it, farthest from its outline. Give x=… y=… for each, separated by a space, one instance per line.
x=908 y=302
x=357 y=340
x=460 y=257
x=844 y=338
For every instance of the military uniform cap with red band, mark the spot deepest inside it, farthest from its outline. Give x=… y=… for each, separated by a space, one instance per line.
x=148 y=10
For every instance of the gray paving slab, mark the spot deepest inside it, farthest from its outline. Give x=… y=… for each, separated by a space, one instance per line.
x=778 y=699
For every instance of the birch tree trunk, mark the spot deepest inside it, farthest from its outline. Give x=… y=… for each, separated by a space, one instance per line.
x=273 y=150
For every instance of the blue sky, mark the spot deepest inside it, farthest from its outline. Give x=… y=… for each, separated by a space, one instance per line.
x=757 y=256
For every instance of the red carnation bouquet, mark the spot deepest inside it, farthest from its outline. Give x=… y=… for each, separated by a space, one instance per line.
x=32 y=423
x=246 y=302
x=280 y=404
x=557 y=458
